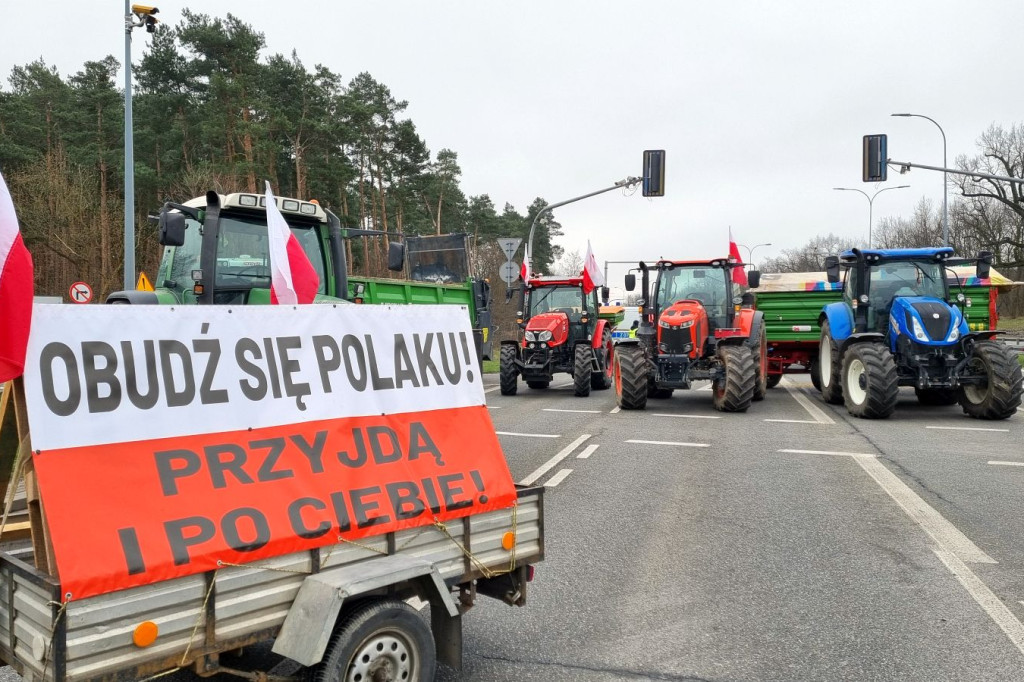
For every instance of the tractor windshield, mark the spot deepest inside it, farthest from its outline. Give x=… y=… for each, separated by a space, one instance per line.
x=905 y=278
x=696 y=282
x=566 y=299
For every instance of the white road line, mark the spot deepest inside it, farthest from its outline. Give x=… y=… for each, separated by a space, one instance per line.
x=587 y=451
x=827 y=452
x=615 y=410
x=1007 y=464
x=687 y=416
x=966 y=428
x=793 y=421
x=668 y=442
x=550 y=464
x=986 y=599
x=494 y=407
x=817 y=414
x=554 y=409
x=557 y=478
x=491 y=389
x=528 y=435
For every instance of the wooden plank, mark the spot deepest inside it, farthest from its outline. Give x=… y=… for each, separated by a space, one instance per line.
x=9 y=439
x=42 y=548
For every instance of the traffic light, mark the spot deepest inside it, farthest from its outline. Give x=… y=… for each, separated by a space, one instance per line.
x=654 y=173
x=875 y=158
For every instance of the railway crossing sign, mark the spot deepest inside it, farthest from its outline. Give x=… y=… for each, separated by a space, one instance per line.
x=80 y=292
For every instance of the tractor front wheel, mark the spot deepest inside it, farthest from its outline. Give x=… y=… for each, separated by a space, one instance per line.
x=870 y=382
x=999 y=396
x=582 y=370
x=630 y=378
x=829 y=369
x=733 y=390
x=508 y=375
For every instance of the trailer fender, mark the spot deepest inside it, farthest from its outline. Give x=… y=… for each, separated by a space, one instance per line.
x=133 y=297
x=863 y=337
x=307 y=628
x=840 y=320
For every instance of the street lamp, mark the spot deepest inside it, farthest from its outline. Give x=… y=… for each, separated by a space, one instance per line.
x=751 y=249
x=134 y=16
x=945 y=185
x=871 y=201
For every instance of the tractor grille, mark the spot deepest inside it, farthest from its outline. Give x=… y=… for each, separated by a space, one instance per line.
x=675 y=339
x=936 y=319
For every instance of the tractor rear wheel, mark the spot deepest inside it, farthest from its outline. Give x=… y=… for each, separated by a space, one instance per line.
x=630 y=378
x=870 y=382
x=582 y=370
x=602 y=380
x=538 y=385
x=508 y=375
x=1000 y=395
x=936 y=396
x=761 y=366
x=829 y=368
x=733 y=390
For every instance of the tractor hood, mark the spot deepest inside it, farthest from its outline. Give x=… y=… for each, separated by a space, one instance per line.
x=926 y=320
x=682 y=314
x=552 y=328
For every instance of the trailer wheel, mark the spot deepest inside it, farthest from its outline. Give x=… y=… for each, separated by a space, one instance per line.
x=380 y=640
x=630 y=378
x=602 y=380
x=829 y=368
x=508 y=375
x=538 y=385
x=1000 y=395
x=733 y=390
x=773 y=380
x=583 y=370
x=815 y=370
x=870 y=382
x=936 y=396
x=761 y=367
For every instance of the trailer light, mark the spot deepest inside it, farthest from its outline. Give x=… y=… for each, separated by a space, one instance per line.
x=247 y=200
x=530 y=570
x=145 y=634
x=308 y=209
x=508 y=541
x=918 y=330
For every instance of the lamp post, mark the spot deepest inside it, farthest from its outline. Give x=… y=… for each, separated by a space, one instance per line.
x=871 y=201
x=945 y=185
x=134 y=16
x=751 y=249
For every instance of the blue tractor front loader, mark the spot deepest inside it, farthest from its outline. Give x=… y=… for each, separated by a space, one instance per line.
x=898 y=325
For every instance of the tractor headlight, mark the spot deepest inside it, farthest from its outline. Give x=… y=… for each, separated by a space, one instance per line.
x=530 y=336
x=918 y=330
x=954 y=335
x=544 y=336
x=864 y=300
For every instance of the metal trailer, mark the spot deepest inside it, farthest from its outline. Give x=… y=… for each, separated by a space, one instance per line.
x=301 y=601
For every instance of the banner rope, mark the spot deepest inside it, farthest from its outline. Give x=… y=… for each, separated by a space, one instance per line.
x=48 y=656
x=195 y=628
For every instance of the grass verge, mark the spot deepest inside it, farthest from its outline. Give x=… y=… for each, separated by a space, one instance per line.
x=491 y=366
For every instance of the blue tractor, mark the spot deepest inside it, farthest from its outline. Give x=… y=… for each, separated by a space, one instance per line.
x=897 y=325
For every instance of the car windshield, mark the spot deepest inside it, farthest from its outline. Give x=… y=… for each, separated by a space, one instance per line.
x=702 y=283
x=905 y=278
x=566 y=299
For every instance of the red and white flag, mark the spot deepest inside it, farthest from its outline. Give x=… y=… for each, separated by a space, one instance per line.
x=524 y=271
x=15 y=290
x=592 y=275
x=739 y=274
x=292 y=277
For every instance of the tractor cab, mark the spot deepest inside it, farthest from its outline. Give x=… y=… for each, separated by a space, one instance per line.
x=558 y=312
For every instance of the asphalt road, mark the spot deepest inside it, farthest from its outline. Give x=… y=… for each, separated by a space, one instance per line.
x=791 y=542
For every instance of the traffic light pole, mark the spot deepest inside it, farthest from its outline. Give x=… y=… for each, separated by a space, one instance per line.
x=905 y=166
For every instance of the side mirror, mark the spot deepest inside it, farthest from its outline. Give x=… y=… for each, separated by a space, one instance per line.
x=832 y=269
x=630 y=282
x=754 y=279
x=605 y=295
x=172 y=228
x=984 y=264
x=396 y=256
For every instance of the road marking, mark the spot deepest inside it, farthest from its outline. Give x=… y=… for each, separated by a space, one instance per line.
x=688 y=416
x=793 y=421
x=557 y=478
x=986 y=599
x=817 y=414
x=587 y=451
x=492 y=389
x=668 y=442
x=1007 y=464
x=827 y=452
x=528 y=435
x=553 y=409
x=550 y=464
x=494 y=407
x=966 y=428
x=615 y=410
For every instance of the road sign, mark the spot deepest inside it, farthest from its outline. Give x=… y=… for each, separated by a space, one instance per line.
x=509 y=245
x=80 y=292
x=509 y=272
x=144 y=284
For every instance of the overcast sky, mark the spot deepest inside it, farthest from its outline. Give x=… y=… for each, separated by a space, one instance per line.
x=760 y=106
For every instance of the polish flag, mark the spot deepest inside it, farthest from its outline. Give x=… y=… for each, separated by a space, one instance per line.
x=292 y=277
x=15 y=290
x=524 y=271
x=592 y=275
x=739 y=274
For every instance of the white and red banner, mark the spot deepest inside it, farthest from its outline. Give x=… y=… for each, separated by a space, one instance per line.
x=739 y=274
x=292 y=277
x=170 y=439
x=16 y=284
x=592 y=275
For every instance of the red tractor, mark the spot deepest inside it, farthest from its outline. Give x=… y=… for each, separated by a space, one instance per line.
x=563 y=330
x=695 y=325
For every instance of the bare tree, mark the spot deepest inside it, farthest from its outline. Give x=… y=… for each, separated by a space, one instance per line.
x=569 y=264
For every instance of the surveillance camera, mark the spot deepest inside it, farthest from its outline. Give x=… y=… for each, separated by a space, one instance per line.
x=904 y=169
x=144 y=9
